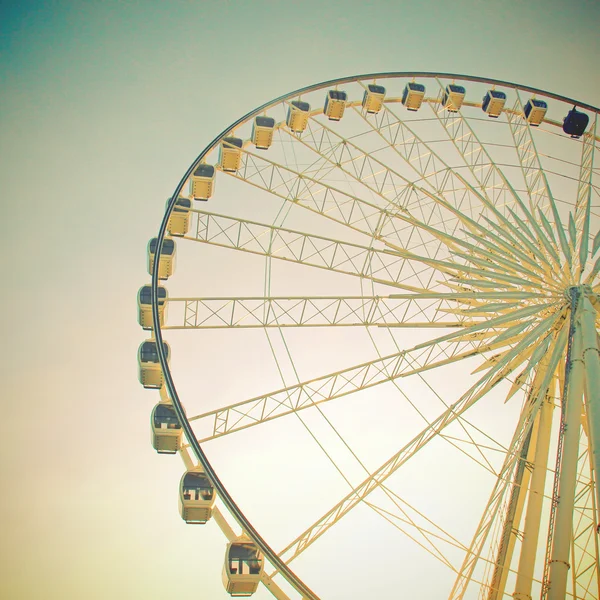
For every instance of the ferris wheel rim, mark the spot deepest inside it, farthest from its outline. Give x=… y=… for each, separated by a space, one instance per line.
x=224 y=495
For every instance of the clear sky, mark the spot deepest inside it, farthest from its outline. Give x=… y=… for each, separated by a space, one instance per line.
x=103 y=105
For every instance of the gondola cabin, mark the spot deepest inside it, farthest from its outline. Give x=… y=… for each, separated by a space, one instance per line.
x=453 y=97
x=202 y=182
x=262 y=132
x=149 y=371
x=145 y=306
x=230 y=154
x=297 y=115
x=493 y=103
x=166 y=430
x=166 y=263
x=196 y=497
x=242 y=569
x=575 y=122
x=335 y=105
x=412 y=96
x=373 y=98
x=179 y=221
x=535 y=111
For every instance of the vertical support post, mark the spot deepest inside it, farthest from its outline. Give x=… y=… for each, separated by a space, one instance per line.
x=513 y=515
x=591 y=361
x=574 y=382
x=533 y=515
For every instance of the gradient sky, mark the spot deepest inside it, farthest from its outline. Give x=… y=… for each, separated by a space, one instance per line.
x=103 y=105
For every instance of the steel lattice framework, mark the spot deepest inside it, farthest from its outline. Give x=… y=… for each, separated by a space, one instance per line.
x=441 y=241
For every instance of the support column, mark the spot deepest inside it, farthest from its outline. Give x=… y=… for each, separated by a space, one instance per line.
x=533 y=515
x=563 y=529
x=591 y=361
x=513 y=516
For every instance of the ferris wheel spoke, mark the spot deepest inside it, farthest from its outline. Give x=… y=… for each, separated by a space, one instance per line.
x=334 y=204
x=301 y=248
x=536 y=182
x=511 y=236
x=366 y=169
x=424 y=356
x=406 y=144
x=455 y=269
x=499 y=250
x=334 y=151
x=583 y=205
x=376 y=479
x=530 y=241
x=313 y=194
x=379 y=224
x=397 y=310
x=258 y=410
x=431 y=168
x=414 y=310
x=426 y=539
x=494 y=183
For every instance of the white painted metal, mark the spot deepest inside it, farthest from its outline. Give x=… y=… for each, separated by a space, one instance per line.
x=525 y=568
x=479 y=240
x=591 y=361
x=561 y=548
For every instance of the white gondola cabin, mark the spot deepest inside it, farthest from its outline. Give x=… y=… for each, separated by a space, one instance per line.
x=202 y=182
x=493 y=103
x=166 y=263
x=297 y=116
x=373 y=98
x=453 y=97
x=412 y=96
x=145 y=306
x=166 y=430
x=149 y=371
x=575 y=123
x=196 y=497
x=243 y=567
x=535 y=111
x=230 y=154
x=335 y=104
x=179 y=221
x=262 y=132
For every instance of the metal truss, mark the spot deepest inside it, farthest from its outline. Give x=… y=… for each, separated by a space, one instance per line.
x=535 y=178
x=388 y=224
x=493 y=183
x=583 y=205
x=326 y=200
x=365 y=168
x=407 y=311
x=376 y=479
x=253 y=412
x=435 y=245
x=585 y=573
x=304 y=249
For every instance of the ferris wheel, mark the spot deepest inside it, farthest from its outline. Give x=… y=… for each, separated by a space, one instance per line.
x=379 y=356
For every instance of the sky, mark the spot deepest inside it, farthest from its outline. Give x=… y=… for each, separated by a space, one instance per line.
x=102 y=108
